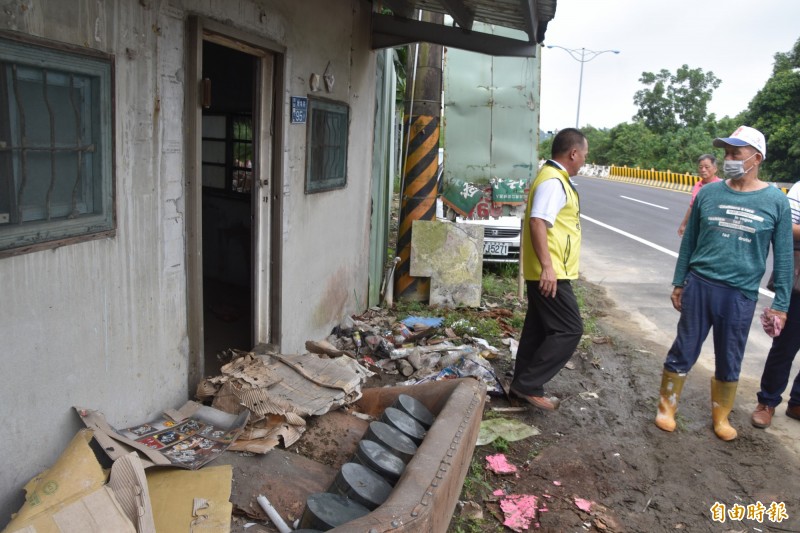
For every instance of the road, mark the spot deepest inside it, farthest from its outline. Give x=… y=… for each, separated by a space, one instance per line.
x=630 y=246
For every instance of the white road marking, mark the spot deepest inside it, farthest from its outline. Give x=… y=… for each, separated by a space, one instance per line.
x=643 y=202
x=655 y=246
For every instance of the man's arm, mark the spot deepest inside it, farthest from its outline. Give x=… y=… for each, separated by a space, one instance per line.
x=682 y=227
x=547 y=282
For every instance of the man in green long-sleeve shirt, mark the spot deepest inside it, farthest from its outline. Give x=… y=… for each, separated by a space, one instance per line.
x=721 y=262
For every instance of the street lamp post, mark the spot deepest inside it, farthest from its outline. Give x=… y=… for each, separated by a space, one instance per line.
x=581 y=55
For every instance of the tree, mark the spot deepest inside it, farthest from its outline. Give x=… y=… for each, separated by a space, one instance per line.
x=632 y=145
x=671 y=101
x=775 y=111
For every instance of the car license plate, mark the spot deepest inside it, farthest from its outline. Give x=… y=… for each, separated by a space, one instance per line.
x=495 y=248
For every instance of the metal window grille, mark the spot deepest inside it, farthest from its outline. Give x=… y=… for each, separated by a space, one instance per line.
x=326 y=156
x=55 y=145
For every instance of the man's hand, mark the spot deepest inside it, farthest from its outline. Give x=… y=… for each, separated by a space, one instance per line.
x=676 y=298
x=780 y=314
x=548 y=284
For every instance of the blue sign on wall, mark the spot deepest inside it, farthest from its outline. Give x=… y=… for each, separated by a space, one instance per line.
x=299 y=109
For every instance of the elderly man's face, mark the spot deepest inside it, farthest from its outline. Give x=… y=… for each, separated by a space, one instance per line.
x=740 y=153
x=706 y=169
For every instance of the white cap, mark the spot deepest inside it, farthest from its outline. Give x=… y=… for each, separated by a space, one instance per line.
x=744 y=136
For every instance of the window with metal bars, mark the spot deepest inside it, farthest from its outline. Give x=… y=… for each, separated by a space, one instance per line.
x=56 y=175
x=326 y=149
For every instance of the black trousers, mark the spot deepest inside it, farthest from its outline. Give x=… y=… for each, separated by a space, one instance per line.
x=552 y=330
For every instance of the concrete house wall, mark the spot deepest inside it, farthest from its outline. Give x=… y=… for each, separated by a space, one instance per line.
x=103 y=324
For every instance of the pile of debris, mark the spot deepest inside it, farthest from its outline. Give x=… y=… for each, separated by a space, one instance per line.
x=419 y=349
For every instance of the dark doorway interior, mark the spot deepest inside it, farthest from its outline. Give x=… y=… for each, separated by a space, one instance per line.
x=228 y=176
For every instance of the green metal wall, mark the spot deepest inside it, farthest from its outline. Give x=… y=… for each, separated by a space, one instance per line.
x=491 y=114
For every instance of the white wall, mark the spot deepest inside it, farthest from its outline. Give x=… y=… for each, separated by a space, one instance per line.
x=326 y=235
x=102 y=324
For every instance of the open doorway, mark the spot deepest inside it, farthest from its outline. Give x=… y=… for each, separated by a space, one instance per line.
x=233 y=200
x=228 y=166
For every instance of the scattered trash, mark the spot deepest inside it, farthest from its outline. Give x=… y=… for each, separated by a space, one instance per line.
x=428 y=321
x=509 y=429
x=499 y=464
x=74 y=494
x=509 y=409
x=519 y=511
x=584 y=505
x=471 y=510
x=188 y=437
x=570 y=365
x=513 y=345
x=280 y=391
x=556 y=483
x=273 y=514
x=586 y=395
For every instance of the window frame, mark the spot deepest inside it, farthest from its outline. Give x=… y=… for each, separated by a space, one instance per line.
x=313 y=185
x=33 y=52
x=229 y=141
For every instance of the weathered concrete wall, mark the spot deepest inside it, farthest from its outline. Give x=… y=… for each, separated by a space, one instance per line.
x=326 y=235
x=102 y=324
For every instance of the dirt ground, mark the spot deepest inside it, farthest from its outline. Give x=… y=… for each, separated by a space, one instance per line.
x=602 y=446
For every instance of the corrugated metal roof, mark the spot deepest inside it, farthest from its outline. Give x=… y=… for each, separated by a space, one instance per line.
x=507 y=13
x=528 y=16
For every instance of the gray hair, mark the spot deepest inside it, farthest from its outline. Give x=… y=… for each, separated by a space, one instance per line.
x=710 y=157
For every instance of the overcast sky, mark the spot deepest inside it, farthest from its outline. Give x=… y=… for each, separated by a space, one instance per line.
x=735 y=39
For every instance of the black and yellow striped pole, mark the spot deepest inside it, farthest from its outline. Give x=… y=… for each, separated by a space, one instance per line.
x=421 y=137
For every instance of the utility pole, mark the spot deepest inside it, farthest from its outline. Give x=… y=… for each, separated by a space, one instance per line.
x=419 y=189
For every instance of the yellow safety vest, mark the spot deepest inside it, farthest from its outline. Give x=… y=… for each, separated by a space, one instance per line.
x=563 y=239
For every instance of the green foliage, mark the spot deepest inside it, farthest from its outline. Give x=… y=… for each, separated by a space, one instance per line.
x=671 y=101
x=775 y=111
x=500 y=445
x=484 y=328
x=599 y=144
x=400 y=59
x=475 y=481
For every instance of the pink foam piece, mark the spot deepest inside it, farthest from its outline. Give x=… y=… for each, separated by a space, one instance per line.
x=519 y=511
x=499 y=464
x=498 y=492
x=584 y=505
x=557 y=483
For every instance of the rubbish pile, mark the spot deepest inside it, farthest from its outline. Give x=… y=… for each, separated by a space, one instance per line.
x=416 y=348
x=257 y=402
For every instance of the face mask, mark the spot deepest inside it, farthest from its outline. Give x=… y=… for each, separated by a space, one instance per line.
x=735 y=169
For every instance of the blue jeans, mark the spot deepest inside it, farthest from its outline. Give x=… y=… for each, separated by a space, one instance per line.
x=706 y=304
x=779 y=361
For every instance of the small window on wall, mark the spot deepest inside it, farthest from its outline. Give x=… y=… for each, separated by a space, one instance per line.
x=326 y=152
x=228 y=153
x=56 y=145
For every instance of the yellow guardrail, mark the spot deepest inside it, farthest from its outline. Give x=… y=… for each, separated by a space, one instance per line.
x=657 y=178
x=654 y=178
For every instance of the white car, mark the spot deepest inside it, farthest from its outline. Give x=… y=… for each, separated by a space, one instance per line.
x=501 y=238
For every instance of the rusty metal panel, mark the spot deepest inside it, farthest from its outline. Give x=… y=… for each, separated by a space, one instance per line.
x=491 y=113
x=506 y=13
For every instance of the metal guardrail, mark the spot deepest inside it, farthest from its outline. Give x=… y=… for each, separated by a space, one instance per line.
x=654 y=178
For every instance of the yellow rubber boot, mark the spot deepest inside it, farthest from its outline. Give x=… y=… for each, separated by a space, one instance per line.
x=723 y=393
x=671 y=387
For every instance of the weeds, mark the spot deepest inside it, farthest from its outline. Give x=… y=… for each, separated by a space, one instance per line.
x=475 y=481
x=500 y=445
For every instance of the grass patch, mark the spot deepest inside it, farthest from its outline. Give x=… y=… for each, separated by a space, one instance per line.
x=475 y=482
x=499 y=280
